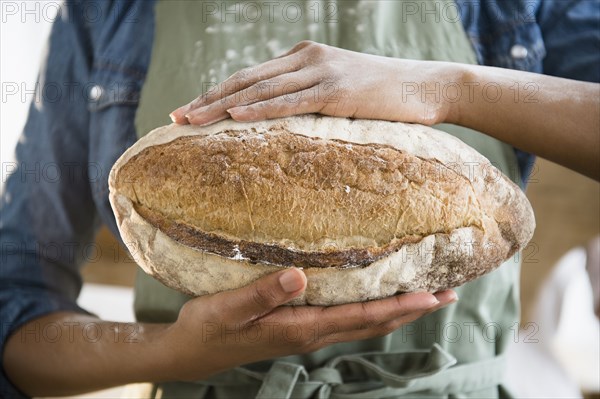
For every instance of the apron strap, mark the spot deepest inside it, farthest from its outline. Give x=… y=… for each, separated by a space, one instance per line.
x=281 y=380
x=365 y=376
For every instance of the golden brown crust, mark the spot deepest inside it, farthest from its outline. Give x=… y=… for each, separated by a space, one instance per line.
x=296 y=196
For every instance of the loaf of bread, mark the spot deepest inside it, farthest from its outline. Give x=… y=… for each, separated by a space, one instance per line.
x=367 y=208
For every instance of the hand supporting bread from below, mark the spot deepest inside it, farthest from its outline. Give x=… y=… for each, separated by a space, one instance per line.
x=212 y=333
x=555 y=118
x=254 y=314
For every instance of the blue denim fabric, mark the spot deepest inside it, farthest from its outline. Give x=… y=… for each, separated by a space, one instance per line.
x=57 y=196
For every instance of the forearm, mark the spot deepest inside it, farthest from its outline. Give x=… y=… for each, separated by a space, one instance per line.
x=69 y=353
x=557 y=119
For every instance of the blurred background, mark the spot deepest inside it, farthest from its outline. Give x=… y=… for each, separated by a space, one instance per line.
x=566 y=204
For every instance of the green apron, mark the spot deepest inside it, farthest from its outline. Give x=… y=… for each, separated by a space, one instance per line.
x=457 y=352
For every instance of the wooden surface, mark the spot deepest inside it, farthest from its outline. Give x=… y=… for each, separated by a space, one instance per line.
x=567 y=210
x=113 y=266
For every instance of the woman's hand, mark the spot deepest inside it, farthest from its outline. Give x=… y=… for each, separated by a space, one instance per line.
x=558 y=119
x=316 y=78
x=218 y=332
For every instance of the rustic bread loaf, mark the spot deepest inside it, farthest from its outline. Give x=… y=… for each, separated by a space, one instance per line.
x=366 y=208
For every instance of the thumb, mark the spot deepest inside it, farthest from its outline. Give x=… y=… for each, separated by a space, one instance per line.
x=265 y=294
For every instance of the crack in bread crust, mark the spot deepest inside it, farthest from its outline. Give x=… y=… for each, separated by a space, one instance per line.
x=268 y=253
x=296 y=194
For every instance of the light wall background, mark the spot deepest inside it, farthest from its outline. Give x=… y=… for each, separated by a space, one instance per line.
x=24 y=29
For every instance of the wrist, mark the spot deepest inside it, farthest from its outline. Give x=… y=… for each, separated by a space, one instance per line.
x=165 y=351
x=181 y=358
x=458 y=102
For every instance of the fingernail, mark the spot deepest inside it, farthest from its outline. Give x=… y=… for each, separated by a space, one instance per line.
x=291 y=281
x=172 y=117
x=233 y=111
x=447 y=302
x=446 y=297
x=245 y=113
x=434 y=302
x=209 y=122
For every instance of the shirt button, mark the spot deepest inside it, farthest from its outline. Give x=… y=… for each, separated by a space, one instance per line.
x=518 y=52
x=96 y=93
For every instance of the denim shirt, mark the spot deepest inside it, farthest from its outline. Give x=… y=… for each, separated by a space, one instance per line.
x=82 y=119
